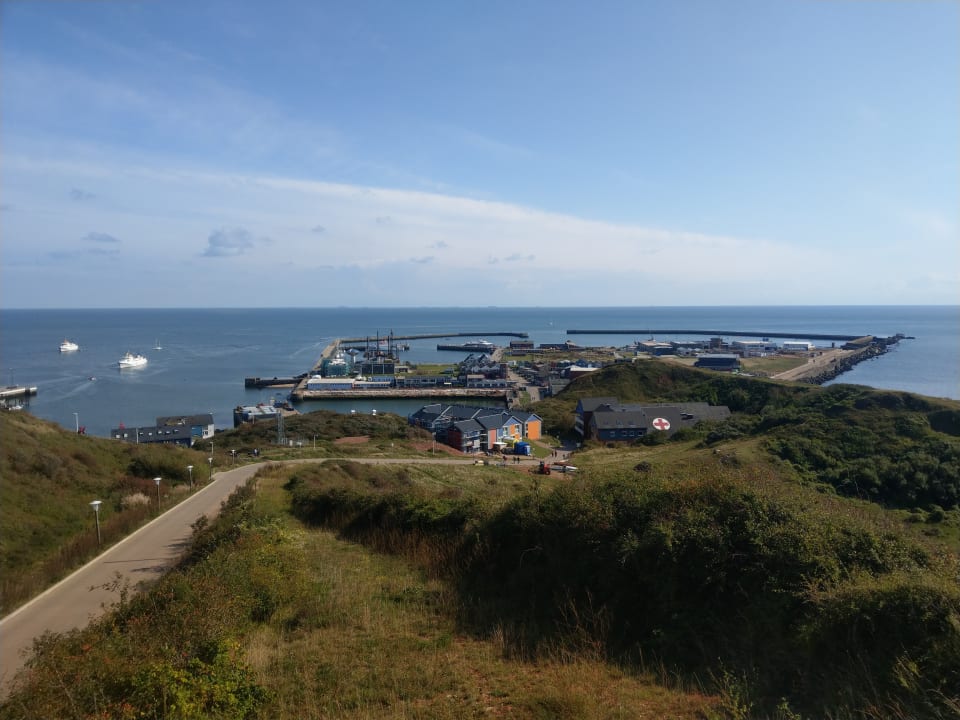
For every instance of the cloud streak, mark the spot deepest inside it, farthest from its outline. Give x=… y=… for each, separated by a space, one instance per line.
x=537 y=255
x=228 y=242
x=80 y=195
x=99 y=237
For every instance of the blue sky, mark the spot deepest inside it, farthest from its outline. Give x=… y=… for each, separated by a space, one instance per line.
x=185 y=154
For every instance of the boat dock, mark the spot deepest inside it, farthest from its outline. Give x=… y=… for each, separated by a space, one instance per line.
x=16 y=391
x=277 y=382
x=300 y=391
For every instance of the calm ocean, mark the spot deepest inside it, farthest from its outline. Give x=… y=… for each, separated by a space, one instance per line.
x=206 y=354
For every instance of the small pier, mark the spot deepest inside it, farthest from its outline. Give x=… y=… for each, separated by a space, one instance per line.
x=16 y=391
x=277 y=382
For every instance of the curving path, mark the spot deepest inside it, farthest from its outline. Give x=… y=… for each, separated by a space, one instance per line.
x=139 y=558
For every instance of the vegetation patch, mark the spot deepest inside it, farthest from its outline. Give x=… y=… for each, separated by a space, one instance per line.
x=723 y=571
x=49 y=477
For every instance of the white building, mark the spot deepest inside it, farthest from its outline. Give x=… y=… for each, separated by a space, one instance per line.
x=753 y=348
x=798 y=346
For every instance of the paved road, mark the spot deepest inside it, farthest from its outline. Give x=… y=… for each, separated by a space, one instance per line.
x=141 y=557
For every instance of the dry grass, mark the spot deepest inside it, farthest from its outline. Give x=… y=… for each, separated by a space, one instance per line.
x=377 y=640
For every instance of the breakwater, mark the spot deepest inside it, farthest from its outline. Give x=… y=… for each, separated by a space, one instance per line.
x=721 y=333
x=281 y=382
x=381 y=393
x=433 y=336
x=842 y=365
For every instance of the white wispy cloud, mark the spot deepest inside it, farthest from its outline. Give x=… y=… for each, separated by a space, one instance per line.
x=538 y=255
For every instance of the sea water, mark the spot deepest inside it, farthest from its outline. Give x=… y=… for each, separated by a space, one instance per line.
x=205 y=354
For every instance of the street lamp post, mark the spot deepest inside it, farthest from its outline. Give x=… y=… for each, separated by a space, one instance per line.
x=157 y=481
x=210 y=460
x=190 y=470
x=95 y=504
x=76 y=421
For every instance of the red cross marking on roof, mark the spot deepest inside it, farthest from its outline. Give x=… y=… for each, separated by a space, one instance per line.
x=661 y=423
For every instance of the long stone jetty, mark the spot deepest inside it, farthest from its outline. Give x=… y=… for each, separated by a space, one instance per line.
x=431 y=336
x=720 y=333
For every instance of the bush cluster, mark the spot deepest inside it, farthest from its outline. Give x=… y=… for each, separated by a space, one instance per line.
x=174 y=651
x=712 y=573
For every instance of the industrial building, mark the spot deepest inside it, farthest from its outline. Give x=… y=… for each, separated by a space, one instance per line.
x=172 y=430
x=718 y=361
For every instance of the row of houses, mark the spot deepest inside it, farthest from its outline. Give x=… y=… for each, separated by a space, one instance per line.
x=173 y=430
x=607 y=419
x=473 y=429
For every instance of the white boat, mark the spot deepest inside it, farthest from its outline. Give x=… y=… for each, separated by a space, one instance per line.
x=68 y=346
x=157 y=346
x=131 y=361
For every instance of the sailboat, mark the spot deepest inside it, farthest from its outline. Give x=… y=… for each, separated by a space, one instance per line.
x=157 y=346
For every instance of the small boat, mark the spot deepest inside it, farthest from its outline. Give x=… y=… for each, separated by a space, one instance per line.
x=69 y=346
x=157 y=346
x=132 y=361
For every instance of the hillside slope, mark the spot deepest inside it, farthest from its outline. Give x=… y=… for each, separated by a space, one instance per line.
x=50 y=476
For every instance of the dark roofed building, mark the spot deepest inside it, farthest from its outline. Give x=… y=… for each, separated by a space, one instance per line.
x=607 y=419
x=174 y=429
x=629 y=423
x=585 y=409
x=718 y=361
x=169 y=435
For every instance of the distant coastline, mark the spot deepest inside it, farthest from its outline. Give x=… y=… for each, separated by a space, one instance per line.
x=208 y=353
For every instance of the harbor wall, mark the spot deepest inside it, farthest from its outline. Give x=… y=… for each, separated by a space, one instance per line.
x=844 y=364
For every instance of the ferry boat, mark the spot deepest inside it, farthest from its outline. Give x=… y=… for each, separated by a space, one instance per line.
x=69 y=346
x=131 y=361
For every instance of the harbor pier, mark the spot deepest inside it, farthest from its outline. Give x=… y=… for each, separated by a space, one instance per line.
x=11 y=392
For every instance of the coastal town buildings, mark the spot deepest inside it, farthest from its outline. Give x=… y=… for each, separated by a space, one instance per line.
x=473 y=429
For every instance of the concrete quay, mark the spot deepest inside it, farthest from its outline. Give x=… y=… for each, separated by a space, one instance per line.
x=721 y=333
x=16 y=391
x=395 y=393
